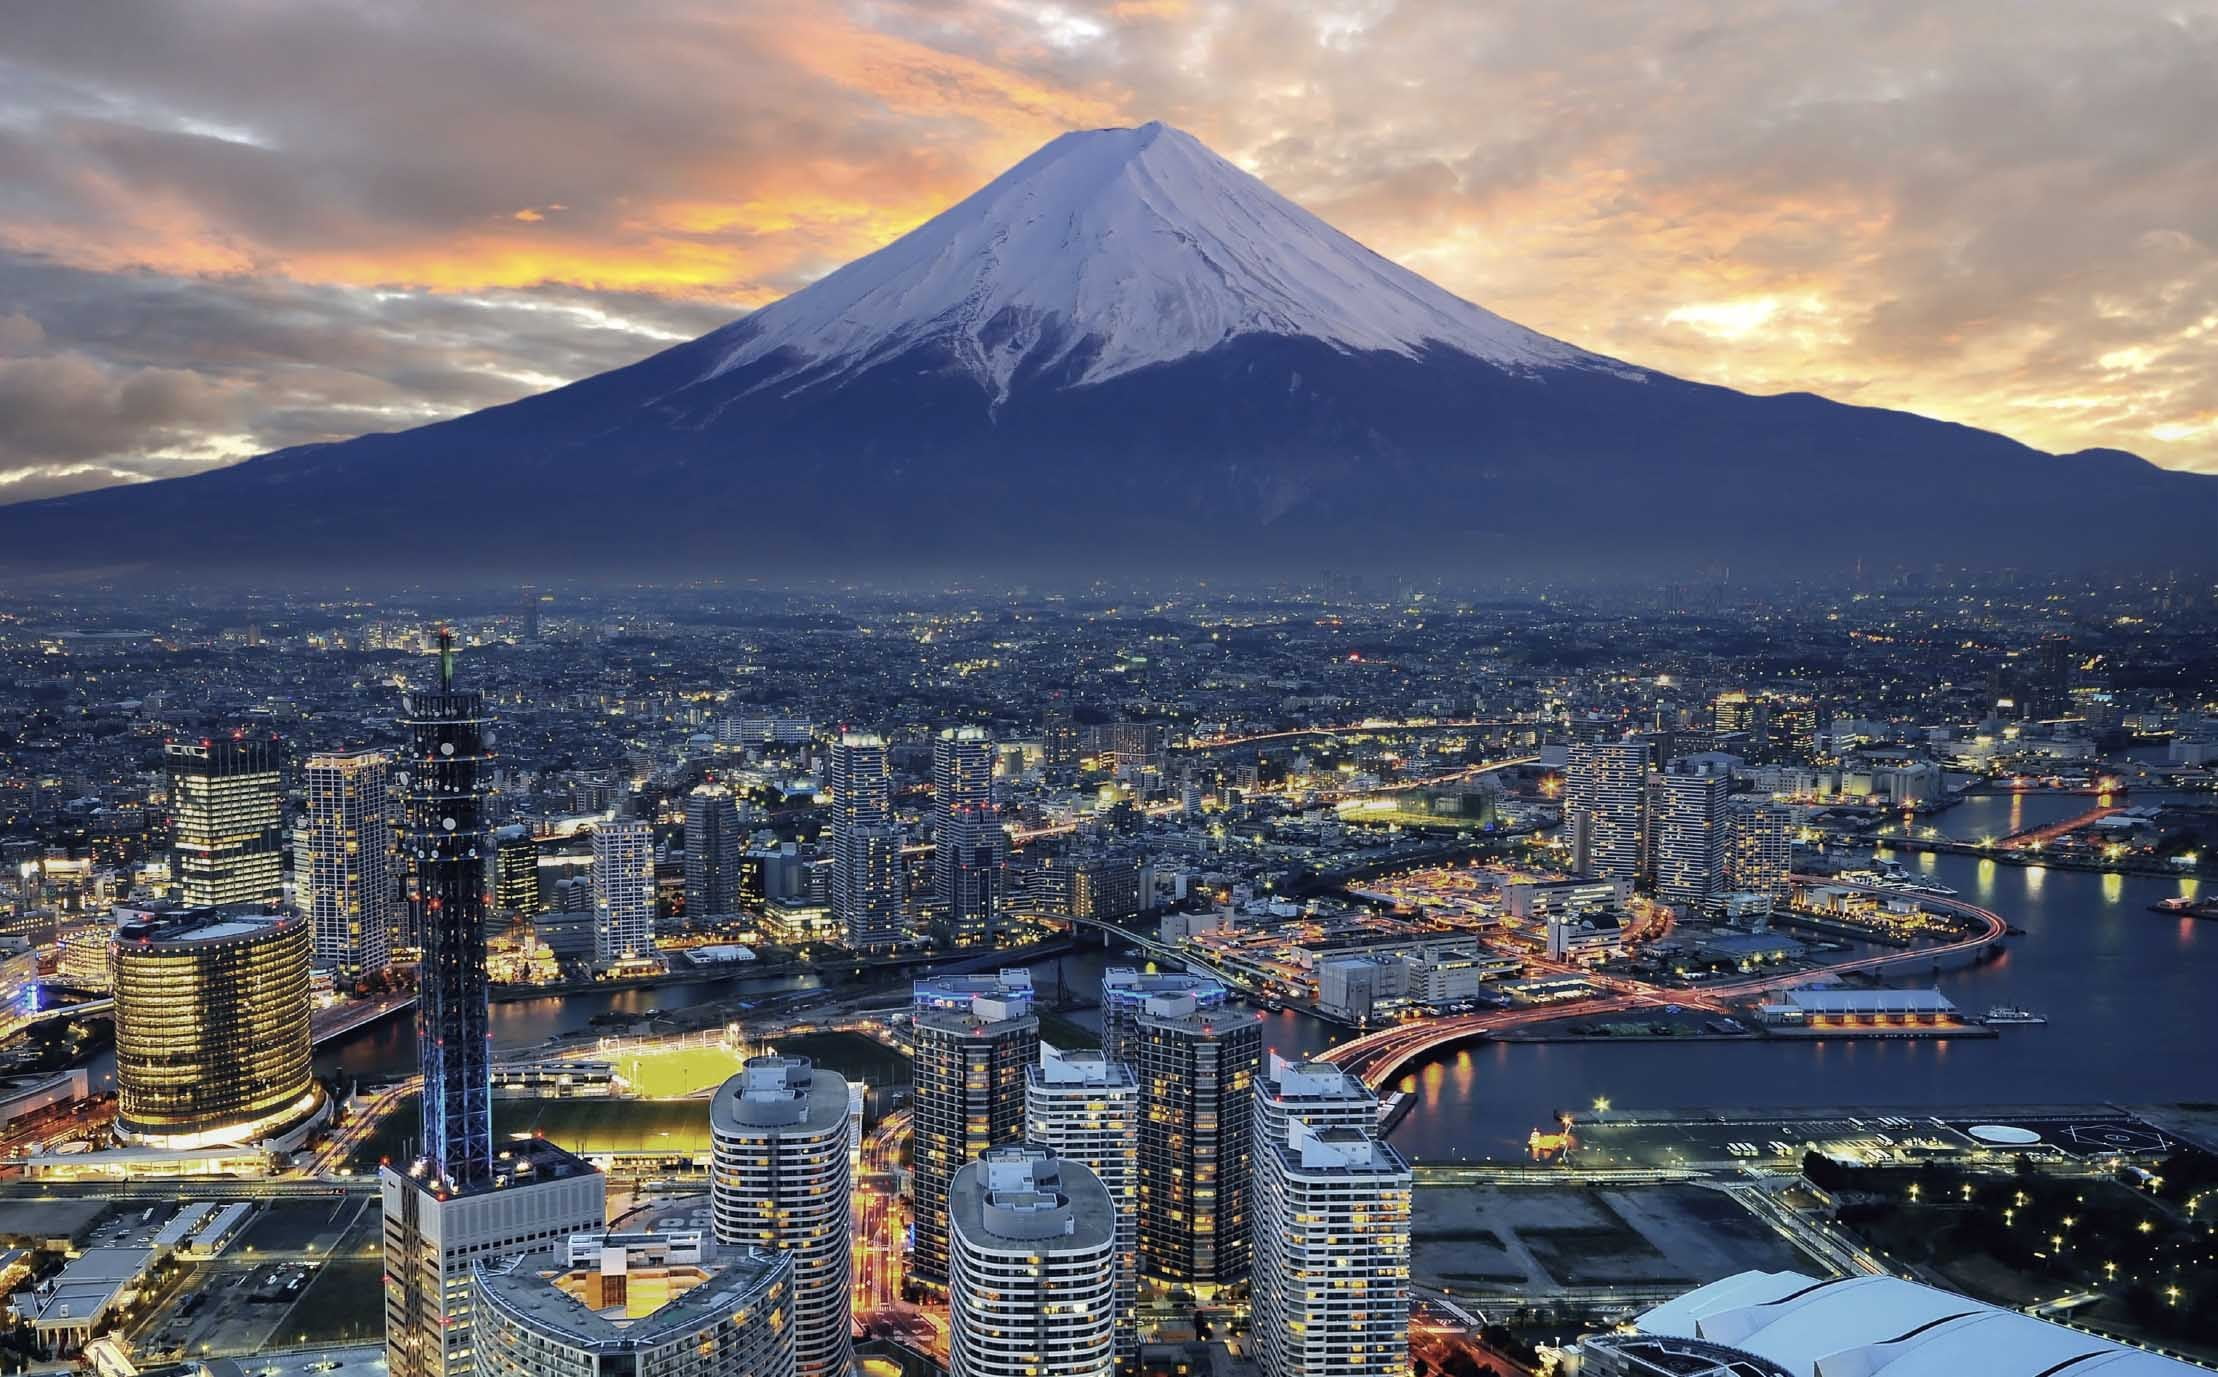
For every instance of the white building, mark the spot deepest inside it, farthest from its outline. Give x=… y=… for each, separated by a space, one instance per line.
x=1032 y=1268
x=781 y=1177
x=623 y=891
x=1884 y=1326
x=1331 y=1287
x=1761 y=860
x=1362 y=989
x=1085 y=1108
x=344 y=873
x=969 y=845
x=537 y=1196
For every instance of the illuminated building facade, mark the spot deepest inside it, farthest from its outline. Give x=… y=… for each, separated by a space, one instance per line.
x=1761 y=858
x=227 y=820
x=634 y=1305
x=1605 y=803
x=1125 y=993
x=345 y=877
x=516 y=870
x=1693 y=836
x=969 y=845
x=211 y=1020
x=459 y=1201
x=623 y=891
x=1085 y=1108
x=711 y=852
x=866 y=845
x=1033 y=1285
x=780 y=1178
x=1331 y=1296
x=1197 y=1069
x=969 y=1070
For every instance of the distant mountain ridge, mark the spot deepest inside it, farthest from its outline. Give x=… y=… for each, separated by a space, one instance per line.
x=1127 y=349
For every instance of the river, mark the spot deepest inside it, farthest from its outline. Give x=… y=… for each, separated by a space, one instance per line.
x=2128 y=994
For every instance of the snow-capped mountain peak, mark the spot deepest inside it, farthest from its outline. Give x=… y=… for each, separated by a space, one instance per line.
x=1114 y=249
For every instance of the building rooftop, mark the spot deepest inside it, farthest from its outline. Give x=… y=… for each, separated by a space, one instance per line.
x=524 y=1286
x=522 y=1162
x=780 y=1092
x=182 y=927
x=1087 y=1067
x=1024 y=1194
x=1888 y=1327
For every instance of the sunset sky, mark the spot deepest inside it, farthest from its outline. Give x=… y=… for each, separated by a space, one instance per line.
x=228 y=226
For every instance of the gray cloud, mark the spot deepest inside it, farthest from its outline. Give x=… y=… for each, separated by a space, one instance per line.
x=227 y=226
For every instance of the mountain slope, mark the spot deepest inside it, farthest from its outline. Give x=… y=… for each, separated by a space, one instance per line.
x=1122 y=352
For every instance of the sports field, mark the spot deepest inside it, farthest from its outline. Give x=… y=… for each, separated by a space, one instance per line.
x=673 y=1073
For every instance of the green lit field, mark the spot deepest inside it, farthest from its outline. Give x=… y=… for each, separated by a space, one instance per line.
x=672 y=1073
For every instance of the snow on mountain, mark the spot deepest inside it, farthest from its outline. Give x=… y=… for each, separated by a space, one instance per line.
x=1115 y=249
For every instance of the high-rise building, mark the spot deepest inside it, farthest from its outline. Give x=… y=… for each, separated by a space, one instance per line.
x=1331 y=1295
x=711 y=852
x=969 y=1069
x=623 y=891
x=1196 y=1068
x=1761 y=859
x=634 y=1305
x=458 y=1201
x=345 y=880
x=227 y=820
x=1059 y=744
x=1084 y=1108
x=866 y=845
x=780 y=1178
x=1125 y=993
x=1605 y=793
x=1692 y=835
x=516 y=870
x=211 y=1023
x=1032 y=1287
x=969 y=844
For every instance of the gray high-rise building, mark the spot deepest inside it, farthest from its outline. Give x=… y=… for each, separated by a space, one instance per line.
x=1197 y=1068
x=969 y=845
x=1605 y=805
x=1761 y=858
x=712 y=844
x=1331 y=1295
x=975 y=1040
x=1692 y=833
x=866 y=845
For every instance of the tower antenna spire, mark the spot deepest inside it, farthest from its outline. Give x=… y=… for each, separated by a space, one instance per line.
x=446 y=659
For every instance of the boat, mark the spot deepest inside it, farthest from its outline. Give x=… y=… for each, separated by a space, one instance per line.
x=2008 y=1015
x=2184 y=907
x=1928 y=887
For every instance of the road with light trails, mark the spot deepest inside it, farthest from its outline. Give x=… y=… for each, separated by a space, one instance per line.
x=1378 y=1057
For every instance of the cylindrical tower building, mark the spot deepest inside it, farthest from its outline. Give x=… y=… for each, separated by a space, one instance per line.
x=211 y=1022
x=781 y=1179
x=1031 y=1268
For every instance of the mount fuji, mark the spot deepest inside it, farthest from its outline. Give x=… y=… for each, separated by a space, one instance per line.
x=1125 y=350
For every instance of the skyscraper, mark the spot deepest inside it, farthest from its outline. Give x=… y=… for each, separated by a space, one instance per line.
x=1197 y=1068
x=1125 y=993
x=973 y=1049
x=969 y=844
x=1032 y=1289
x=516 y=870
x=227 y=820
x=1605 y=792
x=711 y=852
x=211 y=1020
x=345 y=877
x=623 y=891
x=1085 y=1108
x=780 y=1179
x=866 y=845
x=1331 y=1290
x=1691 y=840
x=1761 y=859
x=459 y=1201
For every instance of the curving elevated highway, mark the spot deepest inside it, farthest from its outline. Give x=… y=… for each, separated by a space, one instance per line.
x=1378 y=1057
